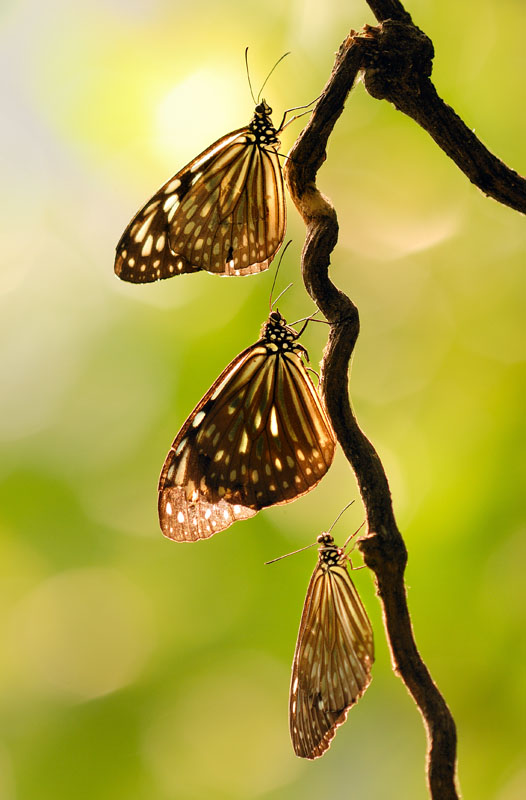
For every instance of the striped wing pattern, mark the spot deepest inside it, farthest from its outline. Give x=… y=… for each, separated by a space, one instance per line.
x=333 y=658
x=259 y=437
x=224 y=212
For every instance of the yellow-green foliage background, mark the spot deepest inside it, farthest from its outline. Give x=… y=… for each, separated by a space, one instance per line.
x=137 y=668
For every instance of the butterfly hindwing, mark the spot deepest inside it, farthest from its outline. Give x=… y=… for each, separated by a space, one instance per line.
x=259 y=437
x=192 y=504
x=224 y=212
x=333 y=658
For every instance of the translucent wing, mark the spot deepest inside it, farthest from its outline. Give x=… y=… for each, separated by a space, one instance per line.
x=332 y=662
x=259 y=437
x=224 y=213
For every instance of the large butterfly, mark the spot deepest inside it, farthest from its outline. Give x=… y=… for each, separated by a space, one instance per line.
x=224 y=212
x=259 y=437
x=334 y=654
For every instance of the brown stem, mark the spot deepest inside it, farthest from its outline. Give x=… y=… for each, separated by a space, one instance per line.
x=397 y=67
x=388 y=9
x=383 y=548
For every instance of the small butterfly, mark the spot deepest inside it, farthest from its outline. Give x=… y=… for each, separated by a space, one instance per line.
x=259 y=437
x=334 y=653
x=224 y=212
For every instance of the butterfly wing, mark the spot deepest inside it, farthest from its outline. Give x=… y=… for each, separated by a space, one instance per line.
x=332 y=662
x=224 y=213
x=259 y=437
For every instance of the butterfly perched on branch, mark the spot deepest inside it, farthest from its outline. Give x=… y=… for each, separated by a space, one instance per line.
x=259 y=437
x=224 y=212
x=334 y=653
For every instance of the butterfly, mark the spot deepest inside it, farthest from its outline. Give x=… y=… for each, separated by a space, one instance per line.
x=224 y=212
x=334 y=654
x=259 y=437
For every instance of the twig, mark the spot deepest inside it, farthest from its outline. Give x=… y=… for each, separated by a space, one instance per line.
x=383 y=548
x=388 y=9
x=397 y=61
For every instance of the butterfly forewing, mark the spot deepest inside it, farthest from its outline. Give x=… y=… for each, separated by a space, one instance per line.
x=334 y=654
x=224 y=212
x=259 y=437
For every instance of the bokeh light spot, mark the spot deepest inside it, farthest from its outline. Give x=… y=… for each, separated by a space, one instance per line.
x=196 y=105
x=82 y=633
x=214 y=714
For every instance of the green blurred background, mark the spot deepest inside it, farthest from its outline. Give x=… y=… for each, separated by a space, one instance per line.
x=137 y=668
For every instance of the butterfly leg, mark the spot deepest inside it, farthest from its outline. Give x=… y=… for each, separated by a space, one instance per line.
x=297 y=116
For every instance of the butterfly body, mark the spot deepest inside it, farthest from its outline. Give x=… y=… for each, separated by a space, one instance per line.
x=224 y=212
x=261 y=126
x=259 y=437
x=334 y=654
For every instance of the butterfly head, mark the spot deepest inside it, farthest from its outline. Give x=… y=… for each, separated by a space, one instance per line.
x=278 y=336
x=263 y=109
x=329 y=553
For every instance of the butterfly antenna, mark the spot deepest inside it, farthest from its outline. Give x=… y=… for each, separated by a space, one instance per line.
x=291 y=554
x=270 y=302
x=338 y=517
x=282 y=293
x=248 y=76
x=270 y=73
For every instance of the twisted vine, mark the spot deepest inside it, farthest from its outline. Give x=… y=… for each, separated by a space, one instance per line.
x=396 y=60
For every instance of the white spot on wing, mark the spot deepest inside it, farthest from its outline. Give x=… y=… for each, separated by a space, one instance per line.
x=141 y=233
x=172 y=186
x=180 y=446
x=147 y=246
x=273 y=422
x=170 y=202
x=199 y=417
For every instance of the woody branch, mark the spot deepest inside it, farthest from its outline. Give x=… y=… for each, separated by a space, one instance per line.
x=396 y=61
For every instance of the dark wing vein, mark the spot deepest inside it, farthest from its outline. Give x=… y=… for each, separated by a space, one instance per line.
x=208 y=216
x=259 y=437
x=191 y=506
x=332 y=662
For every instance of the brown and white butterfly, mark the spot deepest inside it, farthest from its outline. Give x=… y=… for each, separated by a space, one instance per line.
x=224 y=212
x=334 y=653
x=259 y=437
